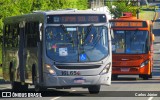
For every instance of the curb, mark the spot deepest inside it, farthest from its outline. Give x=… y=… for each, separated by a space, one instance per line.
x=2 y=81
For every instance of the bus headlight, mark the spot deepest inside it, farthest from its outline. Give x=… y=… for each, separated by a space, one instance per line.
x=50 y=70
x=144 y=63
x=106 y=69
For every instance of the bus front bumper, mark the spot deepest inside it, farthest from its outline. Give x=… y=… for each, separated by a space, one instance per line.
x=130 y=70
x=76 y=81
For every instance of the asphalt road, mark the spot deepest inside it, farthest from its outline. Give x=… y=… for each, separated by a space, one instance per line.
x=124 y=88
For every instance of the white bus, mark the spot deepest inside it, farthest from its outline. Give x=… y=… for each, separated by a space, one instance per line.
x=57 y=49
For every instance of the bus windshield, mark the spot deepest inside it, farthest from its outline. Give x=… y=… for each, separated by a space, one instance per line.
x=77 y=43
x=130 y=42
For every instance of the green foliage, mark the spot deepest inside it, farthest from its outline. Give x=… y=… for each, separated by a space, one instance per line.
x=19 y=7
x=68 y=3
x=1 y=72
x=120 y=7
x=82 y=4
x=0 y=54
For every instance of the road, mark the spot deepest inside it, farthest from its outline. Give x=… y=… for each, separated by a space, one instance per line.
x=125 y=88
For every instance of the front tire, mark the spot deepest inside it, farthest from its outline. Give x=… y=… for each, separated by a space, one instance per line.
x=17 y=86
x=145 y=77
x=37 y=88
x=94 y=89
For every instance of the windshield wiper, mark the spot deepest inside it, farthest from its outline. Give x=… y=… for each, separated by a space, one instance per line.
x=70 y=37
x=97 y=40
x=63 y=28
x=87 y=33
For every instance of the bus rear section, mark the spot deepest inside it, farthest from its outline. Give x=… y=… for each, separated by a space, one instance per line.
x=132 y=47
x=67 y=48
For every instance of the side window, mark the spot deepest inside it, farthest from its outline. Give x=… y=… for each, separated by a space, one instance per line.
x=15 y=36
x=8 y=36
x=32 y=33
x=11 y=33
x=6 y=31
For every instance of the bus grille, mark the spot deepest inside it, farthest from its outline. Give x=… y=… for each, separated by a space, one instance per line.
x=78 y=67
x=119 y=58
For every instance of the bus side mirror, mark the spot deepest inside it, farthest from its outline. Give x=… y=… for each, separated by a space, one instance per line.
x=153 y=38
x=112 y=34
x=40 y=31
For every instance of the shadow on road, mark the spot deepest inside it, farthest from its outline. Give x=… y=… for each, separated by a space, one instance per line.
x=51 y=93
x=137 y=82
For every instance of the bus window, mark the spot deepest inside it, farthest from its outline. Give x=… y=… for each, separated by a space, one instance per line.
x=32 y=33
x=91 y=42
x=118 y=42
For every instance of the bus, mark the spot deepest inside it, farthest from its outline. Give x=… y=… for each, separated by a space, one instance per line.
x=57 y=49
x=132 y=47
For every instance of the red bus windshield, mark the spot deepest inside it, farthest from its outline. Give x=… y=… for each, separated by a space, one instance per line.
x=130 y=42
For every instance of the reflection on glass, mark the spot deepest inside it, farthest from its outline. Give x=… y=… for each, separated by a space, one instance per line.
x=130 y=42
x=77 y=44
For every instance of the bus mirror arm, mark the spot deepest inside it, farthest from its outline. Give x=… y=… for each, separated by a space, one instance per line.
x=153 y=38
x=40 y=31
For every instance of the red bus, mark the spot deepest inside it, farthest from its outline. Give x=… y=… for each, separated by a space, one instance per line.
x=132 y=47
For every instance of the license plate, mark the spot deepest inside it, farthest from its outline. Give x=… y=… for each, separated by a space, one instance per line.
x=125 y=69
x=79 y=81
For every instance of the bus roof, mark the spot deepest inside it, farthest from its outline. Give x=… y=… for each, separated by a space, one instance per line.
x=126 y=18
x=129 y=22
x=40 y=15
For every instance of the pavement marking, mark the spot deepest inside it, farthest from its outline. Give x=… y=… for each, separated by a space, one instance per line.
x=73 y=90
x=150 y=98
x=60 y=96
x=55 y=98
x=157 y=44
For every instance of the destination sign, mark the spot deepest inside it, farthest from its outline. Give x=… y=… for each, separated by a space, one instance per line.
x=133 y=24
x=76 y=19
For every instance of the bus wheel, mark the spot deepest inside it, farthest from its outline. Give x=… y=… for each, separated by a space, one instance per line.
x=34 y=75
x=94 y=89
x=34 y=79
x=145 y=77
x=150 y=76
x=37 y=88
x=17 y=86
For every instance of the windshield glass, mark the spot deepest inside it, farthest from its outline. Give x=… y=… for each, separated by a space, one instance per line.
x=130 y=42
x=77 y=44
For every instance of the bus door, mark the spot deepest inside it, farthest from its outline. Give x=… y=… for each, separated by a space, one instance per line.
x=32 y=52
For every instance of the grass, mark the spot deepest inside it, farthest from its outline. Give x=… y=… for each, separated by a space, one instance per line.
x=0 y=55
x=147 y=12
x=146 y=15
x=0 y=62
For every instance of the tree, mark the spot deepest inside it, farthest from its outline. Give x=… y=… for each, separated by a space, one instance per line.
x=117 y=8
x=19 y=7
